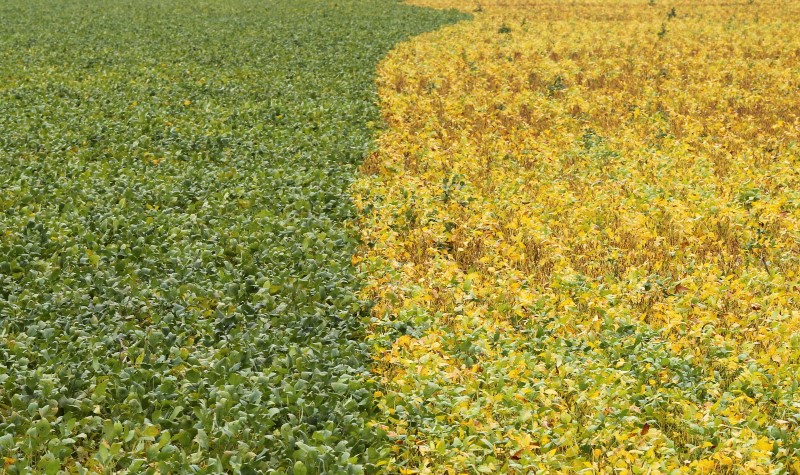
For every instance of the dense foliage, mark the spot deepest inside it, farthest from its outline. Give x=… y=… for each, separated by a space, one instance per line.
x=176 y=286
x=583 y=233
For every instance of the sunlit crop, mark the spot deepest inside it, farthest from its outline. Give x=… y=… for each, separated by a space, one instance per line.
x=582 y=234
x=177 y=294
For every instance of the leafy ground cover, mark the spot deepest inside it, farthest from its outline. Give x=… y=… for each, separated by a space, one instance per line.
x=176 y=286
x=582 y=228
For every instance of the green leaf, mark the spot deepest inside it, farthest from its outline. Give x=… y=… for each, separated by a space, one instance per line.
x=299 y=468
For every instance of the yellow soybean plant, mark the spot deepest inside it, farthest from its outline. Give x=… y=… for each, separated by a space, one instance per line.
x=582 y=237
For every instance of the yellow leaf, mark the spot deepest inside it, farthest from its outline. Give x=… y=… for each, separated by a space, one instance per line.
x=763 y=444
